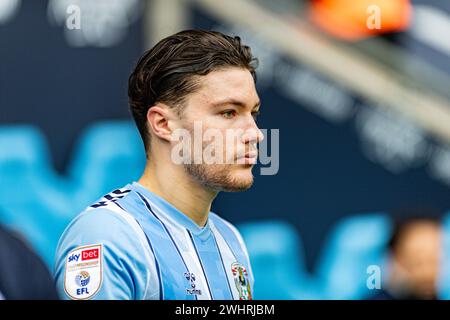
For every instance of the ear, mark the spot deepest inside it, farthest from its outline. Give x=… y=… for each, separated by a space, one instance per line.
x=159 y=117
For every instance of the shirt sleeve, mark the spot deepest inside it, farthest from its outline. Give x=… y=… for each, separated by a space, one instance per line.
x=100 y=256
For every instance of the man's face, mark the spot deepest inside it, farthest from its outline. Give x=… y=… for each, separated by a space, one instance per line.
x=225 y=106
x=419 y=254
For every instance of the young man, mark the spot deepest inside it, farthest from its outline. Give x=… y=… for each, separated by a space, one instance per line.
x=157 y=238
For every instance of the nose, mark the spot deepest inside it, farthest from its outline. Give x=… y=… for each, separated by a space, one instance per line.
x=252 y=134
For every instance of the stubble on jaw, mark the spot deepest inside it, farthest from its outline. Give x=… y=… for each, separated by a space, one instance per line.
x=217 y=177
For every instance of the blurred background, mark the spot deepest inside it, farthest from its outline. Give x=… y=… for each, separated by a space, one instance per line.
x=358 y=89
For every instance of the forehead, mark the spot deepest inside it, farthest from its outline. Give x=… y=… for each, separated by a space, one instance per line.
x=229 y=83
x=421 y=236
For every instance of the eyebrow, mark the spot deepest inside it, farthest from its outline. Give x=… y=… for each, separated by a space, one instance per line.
x=235 y=103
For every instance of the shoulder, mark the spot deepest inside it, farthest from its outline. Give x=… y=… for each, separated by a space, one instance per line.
x=120 y=244
x=105 y=220
x=98 y=224
x=116 y=231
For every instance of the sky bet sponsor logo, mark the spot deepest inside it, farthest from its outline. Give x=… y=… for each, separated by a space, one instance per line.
x=85 y=255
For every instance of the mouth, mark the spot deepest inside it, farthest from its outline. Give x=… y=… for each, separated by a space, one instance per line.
x=249 y=158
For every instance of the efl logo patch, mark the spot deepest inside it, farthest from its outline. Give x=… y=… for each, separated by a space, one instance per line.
x=84 y=272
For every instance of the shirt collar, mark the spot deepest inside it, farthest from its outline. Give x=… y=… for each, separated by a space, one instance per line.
x=168 y=209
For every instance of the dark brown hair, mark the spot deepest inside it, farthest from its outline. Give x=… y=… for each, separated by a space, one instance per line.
x=169 y=71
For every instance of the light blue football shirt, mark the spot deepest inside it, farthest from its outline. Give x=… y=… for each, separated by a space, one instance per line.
x=133 y=244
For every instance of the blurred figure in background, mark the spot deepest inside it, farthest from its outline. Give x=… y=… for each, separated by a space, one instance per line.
x=350 y=20
x=23 y=275
x=414 y=253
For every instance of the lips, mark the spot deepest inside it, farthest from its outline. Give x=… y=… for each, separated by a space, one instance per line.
x=251 y=154
x=249 y=158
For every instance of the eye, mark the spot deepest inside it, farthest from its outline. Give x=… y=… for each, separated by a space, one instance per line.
x=255 y=114
x=229 y=114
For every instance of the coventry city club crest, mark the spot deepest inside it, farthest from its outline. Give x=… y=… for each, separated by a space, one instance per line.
x=241 y=280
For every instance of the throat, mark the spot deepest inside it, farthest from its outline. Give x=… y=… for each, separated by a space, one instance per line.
x=192 y=202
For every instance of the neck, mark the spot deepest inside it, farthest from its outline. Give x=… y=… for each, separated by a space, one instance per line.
x=173 y=184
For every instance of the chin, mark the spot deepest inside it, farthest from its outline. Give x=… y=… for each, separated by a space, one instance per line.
x=241 y=179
